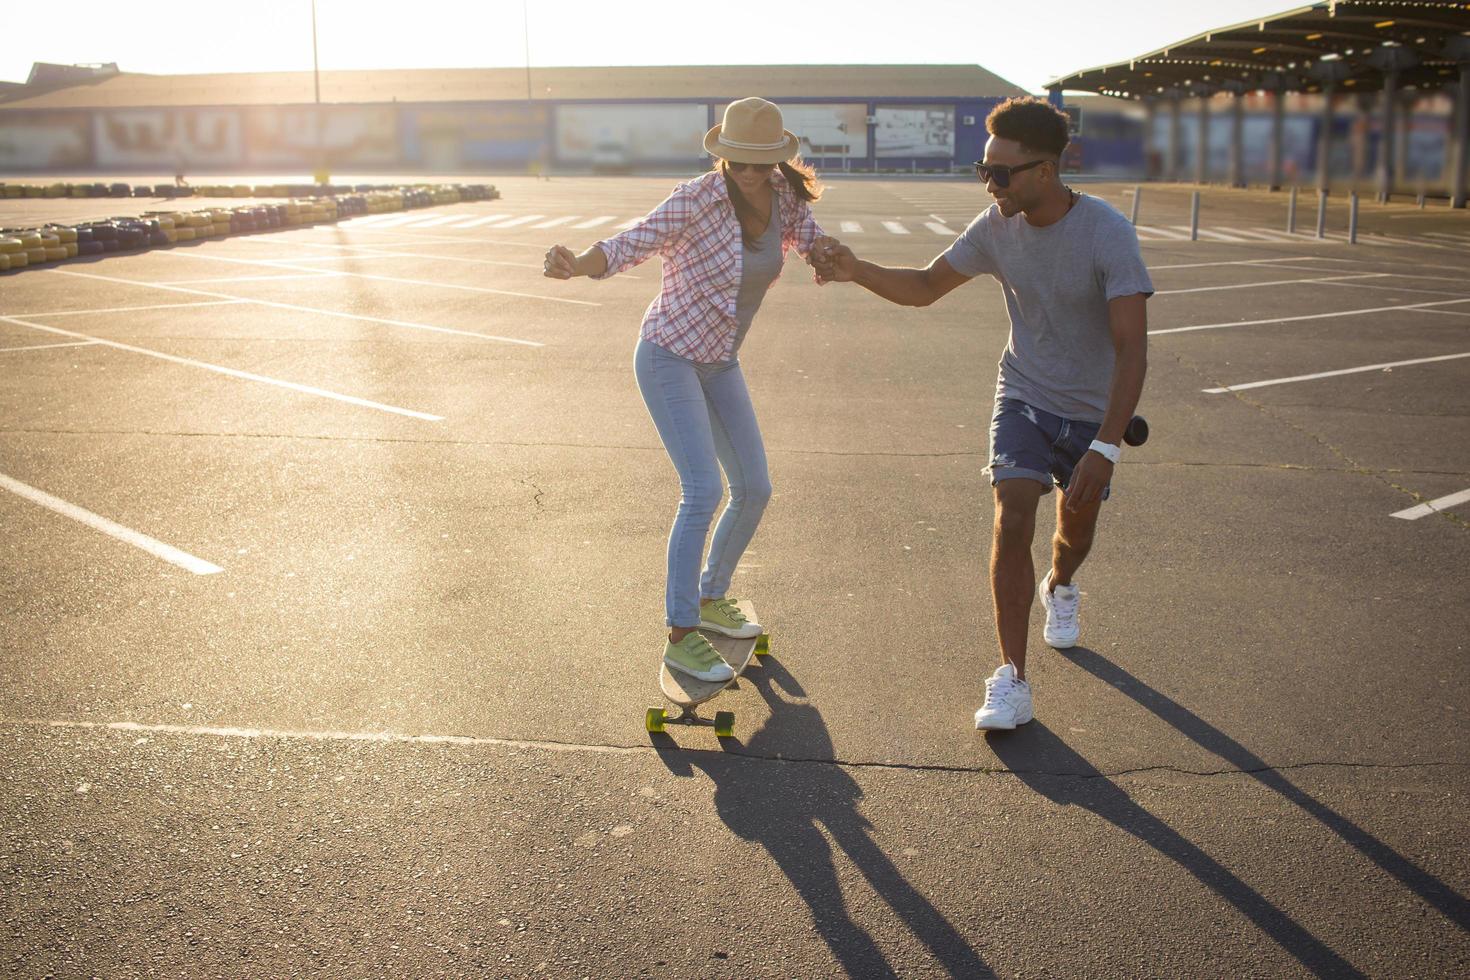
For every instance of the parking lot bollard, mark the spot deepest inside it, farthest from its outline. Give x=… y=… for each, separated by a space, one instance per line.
x=1194 y=217
x=1353 y=218
x=1137 y=193
x=1322 y=213
x=1291 y=212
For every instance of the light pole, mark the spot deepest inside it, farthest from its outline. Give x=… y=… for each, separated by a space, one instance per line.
x=319 y=172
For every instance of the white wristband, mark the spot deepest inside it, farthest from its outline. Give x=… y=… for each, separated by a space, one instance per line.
x=1107 y=451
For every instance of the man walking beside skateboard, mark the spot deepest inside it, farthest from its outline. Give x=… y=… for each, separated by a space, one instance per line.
x=1071 y=375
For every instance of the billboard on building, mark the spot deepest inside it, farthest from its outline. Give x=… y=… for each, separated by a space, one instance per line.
x=56 y=141
x=915 y=131
x=449 y=138
x=654 y=131
x=353 y=136
x=165 y=138
x=826 y=131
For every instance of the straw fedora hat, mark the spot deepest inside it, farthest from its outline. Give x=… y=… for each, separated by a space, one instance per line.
x=752 y=132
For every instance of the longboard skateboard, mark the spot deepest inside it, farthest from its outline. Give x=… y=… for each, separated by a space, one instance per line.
x=687 y=693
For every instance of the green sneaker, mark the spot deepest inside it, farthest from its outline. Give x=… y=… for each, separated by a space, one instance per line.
x=724 y=616
x=695 y=657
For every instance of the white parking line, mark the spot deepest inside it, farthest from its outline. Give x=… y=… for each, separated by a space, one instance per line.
x=324 y=273
x=1332 y=374
x=554 y=222
x=153 y=546
x=277 y=264
x=1274 y=282
x=304 y=309
x=77 y=343
x=895 y=227
x=851 y=228
x=1207 y=265
x=133 y=309
x=396 y=219
x=1433 y=506
x=1308 y=316
x=939 y=228
x=628 y=224
x=601 y=219
x=232 y=372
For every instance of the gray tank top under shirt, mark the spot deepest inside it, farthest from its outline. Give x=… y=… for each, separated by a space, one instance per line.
x=758 y=269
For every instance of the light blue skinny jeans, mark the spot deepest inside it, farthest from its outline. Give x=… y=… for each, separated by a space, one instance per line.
x=706 y=421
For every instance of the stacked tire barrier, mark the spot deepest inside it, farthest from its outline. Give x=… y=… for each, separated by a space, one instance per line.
x=27 y=248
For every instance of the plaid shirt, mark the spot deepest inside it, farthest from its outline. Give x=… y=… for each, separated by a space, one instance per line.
x=697 y=234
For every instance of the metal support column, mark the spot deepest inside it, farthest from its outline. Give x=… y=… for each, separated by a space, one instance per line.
x=1387 y=118
x=1150 y=142
x=1171 y=159
x=1461 y=137
x=1202 y=142
x=1237 y=135
x=1324 y=139
x=1278 y=125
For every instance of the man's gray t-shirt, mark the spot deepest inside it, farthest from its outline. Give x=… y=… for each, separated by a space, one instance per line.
x=1057 y=282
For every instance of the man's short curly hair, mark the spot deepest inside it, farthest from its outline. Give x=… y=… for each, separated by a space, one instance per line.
x=1037 y=125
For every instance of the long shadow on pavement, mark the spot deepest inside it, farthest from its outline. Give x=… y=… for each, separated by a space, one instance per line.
x=1450 y=903
x=783 y=806
x=1068 y=779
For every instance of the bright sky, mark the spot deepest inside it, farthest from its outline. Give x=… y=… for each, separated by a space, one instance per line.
x=1025 y=41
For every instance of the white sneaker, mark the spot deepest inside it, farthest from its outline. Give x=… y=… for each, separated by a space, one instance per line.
x=1007 y=701
x=1061 y=603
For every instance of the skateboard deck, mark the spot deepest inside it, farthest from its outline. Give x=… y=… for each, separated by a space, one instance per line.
x=687 y=693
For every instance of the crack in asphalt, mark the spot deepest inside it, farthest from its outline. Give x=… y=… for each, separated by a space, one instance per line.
x=134 y=728
x=1350 y=466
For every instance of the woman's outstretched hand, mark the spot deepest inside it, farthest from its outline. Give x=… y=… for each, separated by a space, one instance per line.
x=560 y=263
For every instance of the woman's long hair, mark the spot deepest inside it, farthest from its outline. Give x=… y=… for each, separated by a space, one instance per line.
x=801 y=177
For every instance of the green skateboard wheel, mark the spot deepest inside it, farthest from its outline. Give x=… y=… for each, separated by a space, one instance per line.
x=724 y=723
x=653 y=719
x=763 y=645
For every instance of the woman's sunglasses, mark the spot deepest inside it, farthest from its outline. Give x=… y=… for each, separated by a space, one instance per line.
x=760 y=168
x=1001 y=174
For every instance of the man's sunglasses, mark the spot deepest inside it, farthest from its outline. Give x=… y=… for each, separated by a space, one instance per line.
x=1001 y=174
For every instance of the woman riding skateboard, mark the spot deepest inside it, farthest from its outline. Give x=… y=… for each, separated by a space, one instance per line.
x=723 y=237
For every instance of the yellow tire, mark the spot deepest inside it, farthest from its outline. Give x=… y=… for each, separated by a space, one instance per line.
x=55 y=253
x=29 y=239
x=71 y=249
x=8 y=245
x=35 y=255
x=184 y=234
x=63 y=233
x=12 y=190
x=4 y=261
x=50 y=239
x=33 y=190
x=18 y=260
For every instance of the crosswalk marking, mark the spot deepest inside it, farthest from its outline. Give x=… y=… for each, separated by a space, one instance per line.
x=895 y=227
x=523 y=219
x=557 y=221
x=477 y=222
x=851 y=228
x=939 y=228
x=629 y=223
x=1153 y=233
x=438 y=219
x=601 y=219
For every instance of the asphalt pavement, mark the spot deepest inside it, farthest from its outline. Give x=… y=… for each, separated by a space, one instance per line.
x=332 y=601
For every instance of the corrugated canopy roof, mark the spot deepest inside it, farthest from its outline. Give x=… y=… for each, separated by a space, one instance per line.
x=509 y=84
x=1349 y=43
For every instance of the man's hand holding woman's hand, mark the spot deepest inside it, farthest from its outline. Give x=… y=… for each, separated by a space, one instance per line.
x=832 y=260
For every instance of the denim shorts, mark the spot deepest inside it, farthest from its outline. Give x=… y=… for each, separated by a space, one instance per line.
x=1029 y=444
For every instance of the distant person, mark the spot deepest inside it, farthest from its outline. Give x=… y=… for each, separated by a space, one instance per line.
x=180 y=165
x=1070 y=376
x=723 y=238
